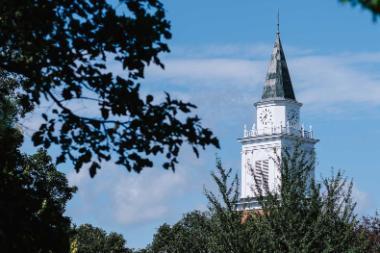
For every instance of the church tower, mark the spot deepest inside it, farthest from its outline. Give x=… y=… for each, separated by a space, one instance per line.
x=278 y=126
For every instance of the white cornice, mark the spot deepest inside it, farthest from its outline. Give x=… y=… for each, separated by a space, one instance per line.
x=278 y=101
x=274 y=137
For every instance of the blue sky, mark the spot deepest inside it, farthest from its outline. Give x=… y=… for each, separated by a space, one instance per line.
x=220 y=51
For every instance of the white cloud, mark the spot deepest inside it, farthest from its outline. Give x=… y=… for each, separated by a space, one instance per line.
x=326 y=82
x=77 y=179
x=209 y=71
x=330 y=80
x=127 y=198
x=253 y=51
x=363 y=201
x=225 y=80
x=143 y=198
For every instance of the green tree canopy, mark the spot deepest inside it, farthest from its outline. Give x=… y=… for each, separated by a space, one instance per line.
x=228 y=232
x=62 y=50
x=13 y=105
x=190 y=234
x=33 y=194
x=370 y=227
x=302 y=216
x=33 y=197
x=305 y=215
x=90 y=239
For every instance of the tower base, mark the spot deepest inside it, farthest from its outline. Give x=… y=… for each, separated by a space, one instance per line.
x=247 y=204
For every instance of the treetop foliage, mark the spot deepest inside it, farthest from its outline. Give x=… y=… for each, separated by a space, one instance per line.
x=370 y=228
x=33 y=194
x=371 y=5
x=190 y=234
x=62 y=50
x=305 y=215
x=13 y=105
x=302 y=216
x=90 y=239
x=33 y=199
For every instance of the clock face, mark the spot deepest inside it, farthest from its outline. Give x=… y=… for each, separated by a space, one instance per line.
x=293 y=117
x=266 y=117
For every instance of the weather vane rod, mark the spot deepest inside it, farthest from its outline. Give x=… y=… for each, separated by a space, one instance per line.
x=278 y=21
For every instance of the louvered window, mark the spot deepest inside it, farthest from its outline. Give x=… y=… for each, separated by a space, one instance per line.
x=262 y=172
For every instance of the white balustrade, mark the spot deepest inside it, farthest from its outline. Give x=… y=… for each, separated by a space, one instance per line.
x=289 y=130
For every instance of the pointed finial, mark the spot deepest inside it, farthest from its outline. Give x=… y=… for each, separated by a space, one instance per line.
x=278 y=21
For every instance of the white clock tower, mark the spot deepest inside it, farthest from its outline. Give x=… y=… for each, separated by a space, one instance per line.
x=278 y=126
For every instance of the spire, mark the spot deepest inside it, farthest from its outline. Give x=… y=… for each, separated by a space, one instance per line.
x=278 y=83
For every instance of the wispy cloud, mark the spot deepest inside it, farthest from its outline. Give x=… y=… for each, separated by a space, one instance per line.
x=364 y=203
x=251 y=51
x=144 y=198
x=209 y=71
x=128 y=198
x=117 y=196
x=227 y=79
x=324 y=82
x=331 y=80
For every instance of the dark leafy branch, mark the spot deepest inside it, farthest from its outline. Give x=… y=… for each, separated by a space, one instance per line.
x=371 y=5
x=61 y=51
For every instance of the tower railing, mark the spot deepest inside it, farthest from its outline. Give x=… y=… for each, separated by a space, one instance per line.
x=289 y=130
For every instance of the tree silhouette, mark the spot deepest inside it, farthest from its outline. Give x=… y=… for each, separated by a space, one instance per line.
x=62 y=50
x=33 y=194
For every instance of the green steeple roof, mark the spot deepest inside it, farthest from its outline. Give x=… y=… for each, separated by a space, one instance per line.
x=278 y=84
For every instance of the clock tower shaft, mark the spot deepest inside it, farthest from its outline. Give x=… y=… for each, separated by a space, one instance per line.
x=278 y=126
